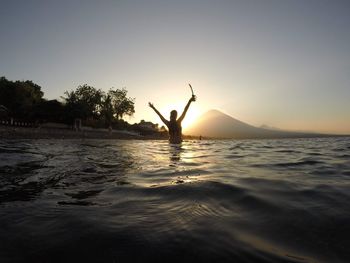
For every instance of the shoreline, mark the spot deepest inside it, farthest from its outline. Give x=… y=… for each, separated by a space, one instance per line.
x=17 y=132
x=12 y=132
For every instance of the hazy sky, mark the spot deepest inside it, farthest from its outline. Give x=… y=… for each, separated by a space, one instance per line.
x=281 y=63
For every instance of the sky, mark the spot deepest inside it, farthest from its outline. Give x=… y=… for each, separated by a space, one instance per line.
x=285 y=64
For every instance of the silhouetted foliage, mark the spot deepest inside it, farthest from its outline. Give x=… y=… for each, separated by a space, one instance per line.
x=4 y=112
x=49 y=111
x=85 y=102
x=121 y=104
x=120 y=124
x=24 y=100
x=89 y=103
x=107 y=110
x=19 y=97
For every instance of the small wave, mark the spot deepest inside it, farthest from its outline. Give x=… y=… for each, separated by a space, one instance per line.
x=84 y=194
x=195 y=190
x=287 y=164
x=267 y=147
x=235 y=156
x=236 y=147
x=287 y=151
x=324 y=171
x=89 y=170
x=339 y=149
x=300 y=163
x=315 y=154
x=78 y=203
x=346 y=172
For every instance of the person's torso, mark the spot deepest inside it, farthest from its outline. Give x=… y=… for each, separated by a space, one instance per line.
x=175 y=132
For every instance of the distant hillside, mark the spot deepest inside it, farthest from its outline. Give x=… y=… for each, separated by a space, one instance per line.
x=267 y=127
x=219 y=125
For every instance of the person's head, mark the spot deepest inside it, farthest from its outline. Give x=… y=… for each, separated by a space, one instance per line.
x=173 y=115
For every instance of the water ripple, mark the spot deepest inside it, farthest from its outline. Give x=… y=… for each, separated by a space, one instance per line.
x=206 y=201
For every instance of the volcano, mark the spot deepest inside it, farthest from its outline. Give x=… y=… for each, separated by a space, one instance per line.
x=216 y=124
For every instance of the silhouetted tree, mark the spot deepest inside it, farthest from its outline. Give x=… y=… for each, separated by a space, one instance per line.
x=121 y=104
x=49 y=110
x=85 y=102
x=24 y=99
x=107 y=110
x=19 y=97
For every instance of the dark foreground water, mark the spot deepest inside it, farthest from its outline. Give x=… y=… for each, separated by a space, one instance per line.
x=148 y=201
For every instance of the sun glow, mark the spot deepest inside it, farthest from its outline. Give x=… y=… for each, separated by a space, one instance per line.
x=191 y=115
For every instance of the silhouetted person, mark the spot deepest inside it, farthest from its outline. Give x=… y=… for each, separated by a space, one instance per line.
x=174 y=125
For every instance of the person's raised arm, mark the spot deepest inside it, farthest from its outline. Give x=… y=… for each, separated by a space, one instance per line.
x=193 y=98
x=159 y=114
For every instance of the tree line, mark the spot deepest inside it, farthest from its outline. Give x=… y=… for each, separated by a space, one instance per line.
x=25 y=100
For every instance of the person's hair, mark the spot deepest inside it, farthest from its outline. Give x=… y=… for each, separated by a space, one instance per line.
x=173 y=115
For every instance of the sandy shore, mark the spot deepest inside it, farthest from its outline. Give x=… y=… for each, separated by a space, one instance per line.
x=10 y=132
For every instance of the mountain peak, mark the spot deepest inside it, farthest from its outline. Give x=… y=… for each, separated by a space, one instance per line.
x=213 y=113
x=217 y=124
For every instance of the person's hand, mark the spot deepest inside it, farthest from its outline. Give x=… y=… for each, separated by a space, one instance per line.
x=193 y=98
x=151 y=105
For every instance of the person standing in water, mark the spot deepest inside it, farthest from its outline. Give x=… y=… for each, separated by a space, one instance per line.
x=174 y=125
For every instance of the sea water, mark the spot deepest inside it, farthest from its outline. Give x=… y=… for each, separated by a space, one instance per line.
x=147 y=201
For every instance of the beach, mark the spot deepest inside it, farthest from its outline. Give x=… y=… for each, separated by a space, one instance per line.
x=15 y=132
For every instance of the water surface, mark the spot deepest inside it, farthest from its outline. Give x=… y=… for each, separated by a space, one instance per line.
x=148 y=201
